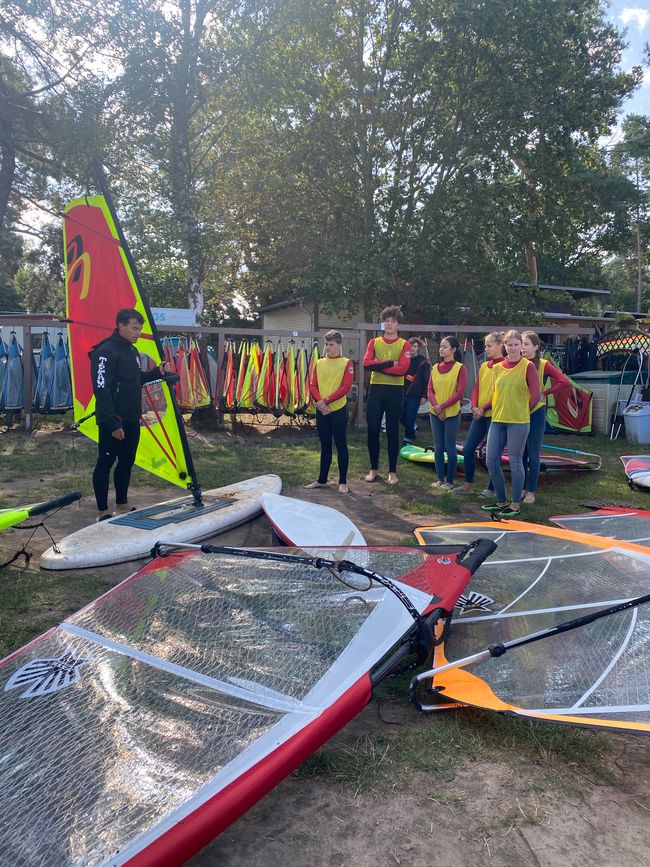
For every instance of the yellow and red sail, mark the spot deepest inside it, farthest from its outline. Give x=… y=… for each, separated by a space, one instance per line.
x=99 y=281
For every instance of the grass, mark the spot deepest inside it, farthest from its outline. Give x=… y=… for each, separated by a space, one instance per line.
x=562 y=759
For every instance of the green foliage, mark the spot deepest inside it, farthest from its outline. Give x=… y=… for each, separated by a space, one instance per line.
x=352 y=154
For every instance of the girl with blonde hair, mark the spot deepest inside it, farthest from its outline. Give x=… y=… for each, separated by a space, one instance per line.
x=481 y=403
x=516 y=392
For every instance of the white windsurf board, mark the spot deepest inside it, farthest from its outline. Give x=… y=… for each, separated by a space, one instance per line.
x=132 y=536
x=305 y=524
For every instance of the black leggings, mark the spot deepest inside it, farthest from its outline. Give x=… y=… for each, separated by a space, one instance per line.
x=109 y=450
x=384 y=399
x=333 y=425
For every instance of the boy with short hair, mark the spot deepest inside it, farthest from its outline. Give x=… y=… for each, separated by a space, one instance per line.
x=387 y=358
x=330 y=383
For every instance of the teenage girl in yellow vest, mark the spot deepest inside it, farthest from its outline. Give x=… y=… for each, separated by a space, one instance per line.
x=481 y=402
x=516 y=392
x=531 y=346
x=388 y=358
x=446 y=387
x=330 y=383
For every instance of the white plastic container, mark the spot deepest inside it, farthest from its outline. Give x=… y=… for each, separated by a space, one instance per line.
x=637 y=423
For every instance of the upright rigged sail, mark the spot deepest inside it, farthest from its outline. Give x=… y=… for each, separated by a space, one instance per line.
x=100 y=280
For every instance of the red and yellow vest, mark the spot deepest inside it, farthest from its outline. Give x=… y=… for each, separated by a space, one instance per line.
x=540 y=370
x=444 y=385
x=329 y=376
x=387 y=352
x=511 y=401
x=485 y=386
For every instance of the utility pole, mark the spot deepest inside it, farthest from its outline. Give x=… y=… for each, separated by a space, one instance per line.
x=639 y=261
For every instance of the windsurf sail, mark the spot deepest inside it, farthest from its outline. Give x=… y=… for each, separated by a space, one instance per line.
x=146 y=723
x=11 y=517
x=100 y=279
x=539 y=577
x=628 y=525
x=310 y=411
x=302 y=376
x=246 y=399
x=569 y=409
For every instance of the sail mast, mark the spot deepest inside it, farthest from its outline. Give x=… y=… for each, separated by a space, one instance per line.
x=194 y=487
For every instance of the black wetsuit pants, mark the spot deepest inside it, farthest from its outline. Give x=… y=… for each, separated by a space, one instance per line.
x=333 y=426
x=384 y=399
x=109 y=450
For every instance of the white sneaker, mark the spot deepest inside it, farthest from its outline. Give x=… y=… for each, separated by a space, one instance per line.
x=487 y=494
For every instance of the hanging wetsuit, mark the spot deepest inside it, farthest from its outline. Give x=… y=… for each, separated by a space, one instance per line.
x=415 y=388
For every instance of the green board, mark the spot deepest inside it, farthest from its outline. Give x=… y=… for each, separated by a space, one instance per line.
x=422 y=456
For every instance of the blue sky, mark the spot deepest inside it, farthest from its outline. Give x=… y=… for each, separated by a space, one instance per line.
x=634 y=17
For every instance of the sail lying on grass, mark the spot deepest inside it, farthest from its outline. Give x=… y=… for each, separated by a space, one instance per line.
x=628 y=525
x=598 y=675
x=100 y=280
x=146 y=723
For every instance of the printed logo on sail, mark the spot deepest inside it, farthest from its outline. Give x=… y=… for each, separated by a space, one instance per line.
x=45 y=676
x=474 y=602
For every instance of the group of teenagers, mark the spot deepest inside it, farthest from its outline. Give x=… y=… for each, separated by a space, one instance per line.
x=508 y=405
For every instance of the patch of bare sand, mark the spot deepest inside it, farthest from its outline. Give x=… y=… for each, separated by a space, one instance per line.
x=489 y=813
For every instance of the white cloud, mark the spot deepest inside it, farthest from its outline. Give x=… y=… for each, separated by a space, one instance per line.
x=637 y=15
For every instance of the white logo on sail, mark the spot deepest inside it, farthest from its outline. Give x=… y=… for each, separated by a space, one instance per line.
x=474 y=602
x=45 y=676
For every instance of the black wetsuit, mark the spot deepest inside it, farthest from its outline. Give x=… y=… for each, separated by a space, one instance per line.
x=117 y=384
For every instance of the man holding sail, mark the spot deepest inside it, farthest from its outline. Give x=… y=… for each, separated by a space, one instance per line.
x=117 y=383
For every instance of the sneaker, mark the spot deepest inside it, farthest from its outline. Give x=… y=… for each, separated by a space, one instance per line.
x=506 y=512
x=486 y=494
x=529 y=498
x=494 y=507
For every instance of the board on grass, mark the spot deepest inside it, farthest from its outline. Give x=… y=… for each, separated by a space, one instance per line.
x=306 y=524
x=419 y=455
x=132 y=536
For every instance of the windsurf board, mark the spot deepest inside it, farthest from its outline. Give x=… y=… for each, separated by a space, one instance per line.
x=305 y=524
x=420 y=455
x=637 y=470
x=133 y=535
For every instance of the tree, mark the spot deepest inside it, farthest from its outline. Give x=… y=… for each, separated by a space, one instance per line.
x=632 y=156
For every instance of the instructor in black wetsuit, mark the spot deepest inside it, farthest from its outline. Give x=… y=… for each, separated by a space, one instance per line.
x=117 y=384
